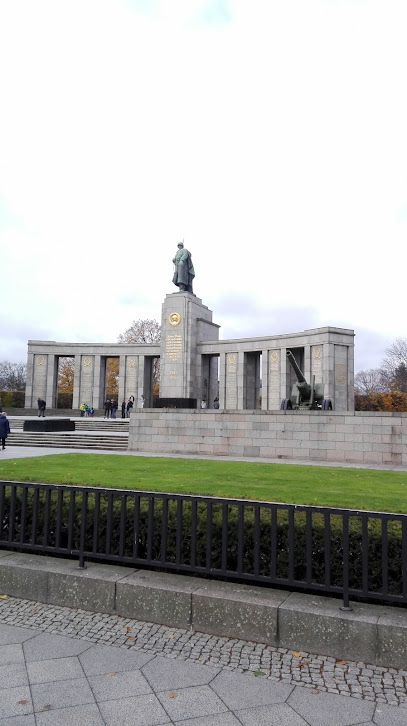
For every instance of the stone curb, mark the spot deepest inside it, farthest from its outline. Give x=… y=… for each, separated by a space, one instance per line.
x=373 y=634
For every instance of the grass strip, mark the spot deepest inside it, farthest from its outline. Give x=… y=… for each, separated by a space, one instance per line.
x=318 y=485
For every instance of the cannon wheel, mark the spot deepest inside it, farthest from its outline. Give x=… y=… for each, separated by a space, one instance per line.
x=327 y=404
x=286 y=405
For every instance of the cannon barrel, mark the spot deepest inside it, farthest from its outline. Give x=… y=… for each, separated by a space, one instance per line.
x=297 y=369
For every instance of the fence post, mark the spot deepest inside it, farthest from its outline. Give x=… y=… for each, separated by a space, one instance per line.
x=345 y=551
x=83 y=531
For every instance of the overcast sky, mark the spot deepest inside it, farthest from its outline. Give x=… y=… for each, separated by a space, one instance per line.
x=270 y=135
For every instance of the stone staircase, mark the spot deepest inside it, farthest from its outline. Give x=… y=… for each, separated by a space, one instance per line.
x=108 y=435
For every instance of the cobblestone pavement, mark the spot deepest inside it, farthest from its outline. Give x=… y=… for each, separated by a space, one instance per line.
x=320 y=673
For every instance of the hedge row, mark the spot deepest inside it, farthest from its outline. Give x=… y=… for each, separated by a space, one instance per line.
x=135 y=527
x=12 y=399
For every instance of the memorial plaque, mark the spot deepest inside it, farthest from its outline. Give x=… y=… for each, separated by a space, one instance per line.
x=340 y=374
x=173 y=347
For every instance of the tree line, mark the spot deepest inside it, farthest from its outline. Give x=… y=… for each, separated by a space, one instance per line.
x=384 y=388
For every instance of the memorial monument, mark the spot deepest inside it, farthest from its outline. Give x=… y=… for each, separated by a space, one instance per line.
x=197 y=368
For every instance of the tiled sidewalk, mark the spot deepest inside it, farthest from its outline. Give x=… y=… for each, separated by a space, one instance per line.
x=61 y=665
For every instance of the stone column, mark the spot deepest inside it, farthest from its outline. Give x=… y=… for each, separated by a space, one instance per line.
x=87 y=378
x=222 y=380
x=97 y=372
x=285 y=391
x=52 y=370
x=29 y=403
x=122 y=381
x=76 y=382
x=273 y=365
x=40 y=377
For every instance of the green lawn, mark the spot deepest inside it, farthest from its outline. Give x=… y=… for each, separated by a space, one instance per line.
x=329 y=486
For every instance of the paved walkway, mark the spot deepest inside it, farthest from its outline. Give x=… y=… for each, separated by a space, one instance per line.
x=61 y=666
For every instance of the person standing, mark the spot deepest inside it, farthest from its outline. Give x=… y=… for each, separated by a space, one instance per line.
x=108 y=407
x=41 y=407
x=216 y=402
x=124 y=408
x=114 y=407
x=4 y=429
x=129 y=405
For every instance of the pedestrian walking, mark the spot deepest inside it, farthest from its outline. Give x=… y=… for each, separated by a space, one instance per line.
x=4 y=429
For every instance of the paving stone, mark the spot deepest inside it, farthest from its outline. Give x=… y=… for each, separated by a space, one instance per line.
x=100 y=659
x=13 y=634
x=189 y=702
x=10 y=654
x=138 y=711
x=28 y=720
x=221 y=719
x=55 y=669
x=390 y=716
x=15 y=702
x=88 y=715
x=119 y=685
x=165 y=674
x=313 y=707
x=46 y=647
x=13 y=675
x=61 y=694
x=279 y=715
x=241 y=691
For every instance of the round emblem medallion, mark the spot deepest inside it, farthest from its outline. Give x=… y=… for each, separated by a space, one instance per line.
x=132 y=362
x=317 y=352
x=87 y=361
x=274 y=356
x=174 y=319
x=232 y=359
x=40 y=360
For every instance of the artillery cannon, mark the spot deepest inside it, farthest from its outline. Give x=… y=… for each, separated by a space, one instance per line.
x=309 y=396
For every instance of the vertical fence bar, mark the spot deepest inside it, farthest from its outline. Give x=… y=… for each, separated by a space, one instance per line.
x=150 y=528
x=256 y=543
x=345 y=552
x=224 y=545
x=308 y=545
x=164 y=529
x=404 y=557
x=35 y=515
x=71 y=518
x=2 y=512
x=208 y=535
x=240 y=537
x=136 y=526
x=46 y=517
x=58 y=525
x=290 y=545
x=385 y=557
x=109 y=522
x=179 y=531
x=194 y=520
x=122 y=535
x=273 y=543
x=24 y=495
x=327 y=549
x=12 y=521
x=96 y=520
x=82 y=534
x=365 y=555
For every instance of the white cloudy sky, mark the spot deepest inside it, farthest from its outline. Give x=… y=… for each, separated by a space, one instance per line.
x=270 y=134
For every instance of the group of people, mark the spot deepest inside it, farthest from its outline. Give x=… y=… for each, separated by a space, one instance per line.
x=215 y=403
x=110 y=408
x=86 y=410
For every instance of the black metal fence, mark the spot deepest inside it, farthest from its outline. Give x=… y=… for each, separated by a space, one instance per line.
x=344 y=552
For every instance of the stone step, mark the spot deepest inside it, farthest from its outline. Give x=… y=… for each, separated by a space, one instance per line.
x=69 y=440
x=121 y=425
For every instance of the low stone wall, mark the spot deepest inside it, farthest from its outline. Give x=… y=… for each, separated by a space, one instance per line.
x=354 y=437
x=373 y=634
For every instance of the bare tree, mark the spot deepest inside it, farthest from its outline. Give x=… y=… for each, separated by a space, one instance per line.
x=142 y=331
x=370 y=381
x=396 y=356
x=12 y=376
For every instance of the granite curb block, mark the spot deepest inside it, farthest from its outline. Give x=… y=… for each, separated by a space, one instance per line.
x=373 y=634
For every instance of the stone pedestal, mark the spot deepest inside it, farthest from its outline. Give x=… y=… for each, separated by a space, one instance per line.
x=185 y=322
